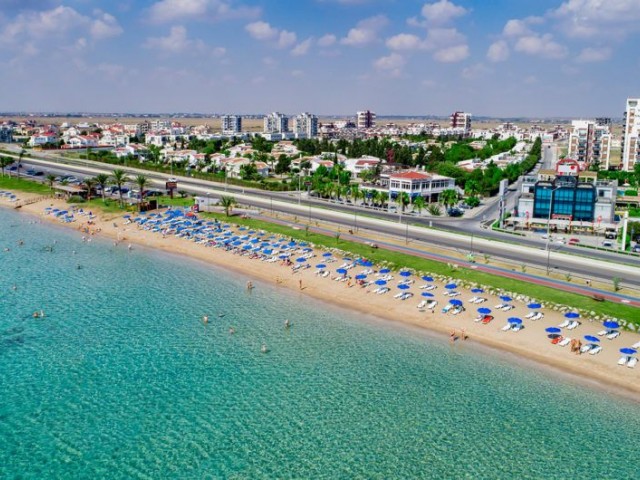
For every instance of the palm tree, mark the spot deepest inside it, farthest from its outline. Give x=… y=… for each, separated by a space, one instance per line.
x=89 y=183
x=471 y=188
x=419 y=203
x=102 y=179
x=22 y=152
x=141 y=181
x=119 y=178
x=449 y=197
x=50 y=179
x=5 y=162
x=403 y=199
x=227 y=203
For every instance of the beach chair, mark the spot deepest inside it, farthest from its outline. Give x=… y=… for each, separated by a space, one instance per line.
x=565 y=323
x=586 y=348
x=632 y=362
x=422 y=304
x=506 y=328
x=398 y=295
x=603 y=332
x=557 y=340
x=564 y=342
x=506 y=308
x=446 y=308
x=499 y=306
x=487 y=319
x=636 y=345
x=595 y=350
x=623 y=361
x=538 y=316
x=517 y=327
x=573 y=325
x=472 y=299
x=432 y=304
x=480 y=300
x=613 y=335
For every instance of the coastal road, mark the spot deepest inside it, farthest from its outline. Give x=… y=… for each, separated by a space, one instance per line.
x=531 y=252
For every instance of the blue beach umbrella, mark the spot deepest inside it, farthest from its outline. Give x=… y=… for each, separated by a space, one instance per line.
x=427 y=294
x=534 y=306
x=385 y=270
x=450 y=286
x=366 y=263
x=455 y=302
x=484 y=310
x=405 y=273
x=572 y=315
x=505 y=298
x=342 y=271
x=321 y=265
x=403 y=287
x=552 y=330
x=427 y=278
x=380 y=282
x=326 y=254
x=267 y=251
x=515 y=320
x=292 y=244
x=236 y=243
x=591 y=338
x=301 y=260
x=628 y=351
x=283 y=256
x=611 y=324
x=361 y=276
x=477 y=290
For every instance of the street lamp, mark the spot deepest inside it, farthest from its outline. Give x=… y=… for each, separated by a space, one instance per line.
x=549 y=227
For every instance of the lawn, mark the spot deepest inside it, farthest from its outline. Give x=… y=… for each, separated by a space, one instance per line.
x=24 y=185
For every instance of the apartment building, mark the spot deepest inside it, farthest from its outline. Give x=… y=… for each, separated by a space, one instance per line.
x=276 y=122
x=630 y=154
x=461 y=121
x=231 y=124
x=305 y=125
x=590 y=143
x=365 y=119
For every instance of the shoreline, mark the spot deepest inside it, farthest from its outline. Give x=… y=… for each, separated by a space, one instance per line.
x=600 y=371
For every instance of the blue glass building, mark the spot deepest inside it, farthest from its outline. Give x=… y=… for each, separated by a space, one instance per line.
x=565 y=198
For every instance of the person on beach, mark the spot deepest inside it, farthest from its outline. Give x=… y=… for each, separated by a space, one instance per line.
x=452 y=336
x=300 y=284
x=463 y=335
x=249 y=286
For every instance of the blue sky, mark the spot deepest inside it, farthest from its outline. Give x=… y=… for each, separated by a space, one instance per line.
x=537 y=58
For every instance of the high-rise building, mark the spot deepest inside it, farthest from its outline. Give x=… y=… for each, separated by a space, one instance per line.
x=276 y=123
x=461 y=121
x=306 y=125
x=630 y=154
x=590 y=143
x=231 y=124
x=365 y=119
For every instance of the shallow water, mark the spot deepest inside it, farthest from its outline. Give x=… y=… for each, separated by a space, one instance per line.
x=122 y=380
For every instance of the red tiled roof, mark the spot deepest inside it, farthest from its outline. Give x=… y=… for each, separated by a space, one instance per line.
x=411 y=175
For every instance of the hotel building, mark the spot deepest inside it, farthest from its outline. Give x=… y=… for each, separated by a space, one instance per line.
x=630 y=154
x=590 y=143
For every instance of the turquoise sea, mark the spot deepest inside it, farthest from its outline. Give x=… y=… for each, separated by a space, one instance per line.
x=122 y=380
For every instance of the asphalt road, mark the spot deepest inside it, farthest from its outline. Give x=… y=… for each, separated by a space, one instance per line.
x=474 y=237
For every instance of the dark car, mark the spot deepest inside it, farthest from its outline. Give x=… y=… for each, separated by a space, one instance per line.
x=455 y=212
x=31 y=172
x=39 y=173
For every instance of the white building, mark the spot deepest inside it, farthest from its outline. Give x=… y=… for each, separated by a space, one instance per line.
x=305 y=125
x=43 y=139
x=365 y=119
x=231 y=124
x=276 y=123
x=630 y=154
x=461 y=121
x=590 y=143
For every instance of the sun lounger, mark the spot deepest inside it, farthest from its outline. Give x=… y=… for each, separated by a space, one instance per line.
x=447 y=308
x=613 y=335
x=480 y=300
x=556 y=340
x=586 y=348
x=432 y=304
x=636 y=345
x=594 y=350
x=623 y=361
x=499 y=306
x=383 y=291
x=517 y=327
x=530 y=315
x=538 y=316
x=603 y=332
x=632 y=362
x=472 y=299
x=398 y=295
x=487 y=319
x=422 y=304
x=506 y=328
x=506 y=308
x=573 y=325
x=564 y=342
x=564 y=324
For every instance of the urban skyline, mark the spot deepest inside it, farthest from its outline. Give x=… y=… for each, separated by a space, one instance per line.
x=549 y=59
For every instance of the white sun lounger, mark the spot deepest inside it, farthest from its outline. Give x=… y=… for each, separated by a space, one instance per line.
x=564 y=342
x=623 y=361
x=499 y=306
x=506 y=308
x=564 y=324
x=432 y=304
x=613 y=335
x=636 y=345
x=573 y=325
x=422 y=304
x=472 y=299
x=530 y=315
x=632 y=362
x=517 y=327
x=398 y=295
x=506 y=328
x=603 y=332
x=586 y=348
x=594 y=350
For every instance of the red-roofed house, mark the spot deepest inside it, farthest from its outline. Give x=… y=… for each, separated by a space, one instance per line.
x=415 y=183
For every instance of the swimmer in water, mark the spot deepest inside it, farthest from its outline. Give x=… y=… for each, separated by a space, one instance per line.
x=264 y=348
x=205 y=319
x=220 y=315
x=287 y=324
x=232 y=330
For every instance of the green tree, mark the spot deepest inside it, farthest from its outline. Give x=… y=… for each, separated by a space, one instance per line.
x=102 y=179
x=5 y=162
x=283 y=165
x=141 y=182
x=449 y=197
x=419 y=203
x=403 y=199
x=51 y=178
x=249 y=171
x=119 y=178
x=89 y=183
x=227 y=203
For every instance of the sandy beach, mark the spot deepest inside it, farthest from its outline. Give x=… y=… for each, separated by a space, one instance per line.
x=531 y=342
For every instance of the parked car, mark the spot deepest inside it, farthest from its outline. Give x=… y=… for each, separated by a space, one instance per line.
x=636 y=248
x=455 y=212
x=607 y=244
x=39 y=173
x=31 y=172
x=573 y=241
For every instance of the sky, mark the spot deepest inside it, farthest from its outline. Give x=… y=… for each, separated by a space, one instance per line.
x=501 y=58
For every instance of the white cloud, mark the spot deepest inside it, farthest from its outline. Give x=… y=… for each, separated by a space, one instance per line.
x=302 y=48
x=261 y=30
x=391 y=64
x=475 y=71
x=498 y=51
x=365 y=32
x=176 y=42
x=588 y=18
x=105 y=26
x=297 y=73
x=591 y=54
x=404 y=41
x=171 y=10
x=219 y=52
x=442 y=12
x=452 y=54
x=270 y=62
x=327 y=40
x=286 y=39
x=516 y=28
x=443 y=37
x=541 y=46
